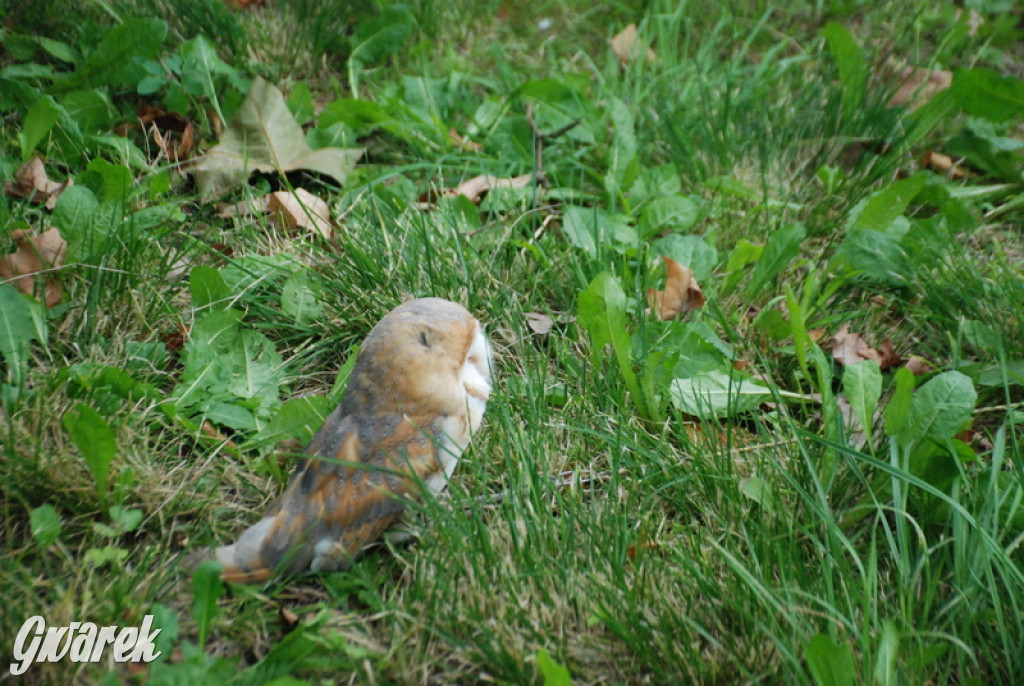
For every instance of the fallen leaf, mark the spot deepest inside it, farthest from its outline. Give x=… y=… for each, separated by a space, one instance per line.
x=627 y=48
x=172 y=132
x=850 y=348
x=467 y=146
x=538 y=322
x=943 y=164
x=919 y=366
x=681 y=293
x=39 y=255
x=301 y=210
x=31 y=181
x=918 y=85
x=288 y=618
x=475 y=188
x=264 y=136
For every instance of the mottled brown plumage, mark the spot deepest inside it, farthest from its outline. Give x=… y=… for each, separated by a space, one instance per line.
x=416 y=395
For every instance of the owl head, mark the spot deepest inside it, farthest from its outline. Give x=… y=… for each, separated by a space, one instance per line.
x=427 y=357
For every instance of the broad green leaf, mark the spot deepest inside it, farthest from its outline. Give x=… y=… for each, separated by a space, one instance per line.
x=113 y=62
x=552 y=672
x=743 y=254
x=881 y=209
x=341 y=379
x=298 y=418
x=91 y=108
x=208 y=288
x=940 y=409
x=782 y=246
x=264 y=136
x=888 y=652
x=988 y=94
x=17 y=331
x=380 y=36
x=36 y=125
x=45 y=523
x=601 y=310
x=690 y=251
x=654 y=182
x=300 y=103
x=758 y=490
x=126 y=518
x=258 y=369
x=298 y=300
x=899 y=402
x=228 y=414
x=718 y=394
x=878 y=255
x=219 y=329
x=200 y=66
x=622 y=159
x=207 y=588
x=95 y=441
x=831 y=664
x=592 y=229
x=166 y=622
x=110 y=182
x=862 y=383
x=853 y=69
x=668 y=213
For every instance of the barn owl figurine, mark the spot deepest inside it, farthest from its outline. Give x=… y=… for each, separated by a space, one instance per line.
x=415 y=397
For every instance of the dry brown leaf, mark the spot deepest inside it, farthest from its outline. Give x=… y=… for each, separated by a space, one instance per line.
x=538 y=322
x=681 y=293
x=850 y=348
x=301 y=210
x=475 y=188
x=287 y=617
x=627 y=48
x=465 y=145
x=172 y=133
x=918 y=85
x=919 y=366
x=943 y=164
x=31 y=181
x=816 y=335
x=43 y=255
x=887 y=356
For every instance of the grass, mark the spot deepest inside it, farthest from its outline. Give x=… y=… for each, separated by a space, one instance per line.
x=633 y=541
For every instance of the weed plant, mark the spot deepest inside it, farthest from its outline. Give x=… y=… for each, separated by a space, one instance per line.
x=713 y=499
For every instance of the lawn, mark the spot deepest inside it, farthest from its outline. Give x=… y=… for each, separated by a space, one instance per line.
x=753 y=275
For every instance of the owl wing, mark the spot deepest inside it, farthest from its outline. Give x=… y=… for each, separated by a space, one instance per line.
x=340 y=499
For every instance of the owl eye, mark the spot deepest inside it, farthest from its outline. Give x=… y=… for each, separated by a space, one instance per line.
x=423 y=339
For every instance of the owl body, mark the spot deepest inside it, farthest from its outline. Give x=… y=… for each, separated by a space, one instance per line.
x=416 y=395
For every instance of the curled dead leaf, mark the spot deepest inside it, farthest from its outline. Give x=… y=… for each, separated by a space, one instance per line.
x=943 y=164
x=627 y=48
x=31 y=181
x=475 y=188
x=681 y=293
x=918 y=85
x=919 y=366
x=462 y=143
x=539 y=322
x=301 y=210
x=172 y=132
x=850 y=348
x=42 y=256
